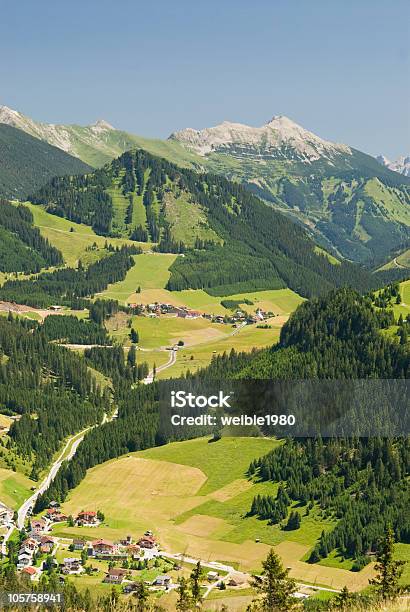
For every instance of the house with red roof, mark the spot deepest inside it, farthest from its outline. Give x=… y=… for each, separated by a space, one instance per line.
x=29 y=571
x=103 y=547
x=147 y=541
x=87 y=517
x=38 y=526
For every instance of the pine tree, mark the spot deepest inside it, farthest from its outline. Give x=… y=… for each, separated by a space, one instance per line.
x=141 y=595
x=195 y=582
x=184 y=603
x=134 y=336
x=389 y=570
x=343 y=600
x=274 y=586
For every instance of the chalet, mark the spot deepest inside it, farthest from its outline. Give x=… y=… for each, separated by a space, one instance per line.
x=51 y=512
x=88 y=518
x=59 y=517
x=163 y=581
x=147 y=542
x=78 y=544
x=54 y=504
x=115 y=576
x=38 y=526
x=46 y=544
x=29 y=544
x=186 y=313
x=193 y=314
x=237 y=580
x=71 y=565
x=55 y=307
x=30 y=571
x=211 y=576
x=103 y=547
x=26 y=551
x=24 y=560
x=126 y=541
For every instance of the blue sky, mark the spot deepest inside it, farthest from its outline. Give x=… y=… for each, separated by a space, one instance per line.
x=341 y=68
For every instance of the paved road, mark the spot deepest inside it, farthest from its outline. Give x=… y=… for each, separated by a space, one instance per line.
x=64 y=456
x=29 y=503
x=215 y=565
x=399 y=265
x=74 y=441
x=172 y=359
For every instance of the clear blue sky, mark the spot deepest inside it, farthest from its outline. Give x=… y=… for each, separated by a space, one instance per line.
x=341 y=68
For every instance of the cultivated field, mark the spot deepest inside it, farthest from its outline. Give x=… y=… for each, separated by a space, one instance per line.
x=195 y=496
x=14 y=487
x=193 y=357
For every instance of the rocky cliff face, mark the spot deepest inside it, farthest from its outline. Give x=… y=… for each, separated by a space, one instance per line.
x=94 y=143
x=279 y=138
x=401 y=165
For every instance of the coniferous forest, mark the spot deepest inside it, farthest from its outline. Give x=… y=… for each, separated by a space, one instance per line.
x=22 y=247
x=48 y=386
x=69 y=286
x=258 y=248
x=351 y=481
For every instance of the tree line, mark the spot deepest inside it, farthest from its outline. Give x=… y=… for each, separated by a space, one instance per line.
x=22 y=247
x=69 y=286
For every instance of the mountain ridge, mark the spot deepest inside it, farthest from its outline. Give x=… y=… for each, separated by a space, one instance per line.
x=352 y=206
x=400 y=165
x=27 y=163
x=278 y=133
x=232 y=241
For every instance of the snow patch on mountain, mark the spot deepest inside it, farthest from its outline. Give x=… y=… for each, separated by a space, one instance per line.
x=401 y=165
x=279 y=138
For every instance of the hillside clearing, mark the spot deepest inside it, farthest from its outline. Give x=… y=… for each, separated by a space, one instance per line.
x=197 y=503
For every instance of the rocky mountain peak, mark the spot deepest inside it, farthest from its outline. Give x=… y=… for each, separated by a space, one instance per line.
x=281 y=137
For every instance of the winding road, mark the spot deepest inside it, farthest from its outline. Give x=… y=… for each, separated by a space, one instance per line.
x=66 y=454
x=172 y=359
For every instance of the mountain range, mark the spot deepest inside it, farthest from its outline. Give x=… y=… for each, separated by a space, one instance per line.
x=352 y=206
x=401 y=165
x=229 y=239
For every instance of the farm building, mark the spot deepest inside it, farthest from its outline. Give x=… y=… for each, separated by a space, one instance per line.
x=115 y=576
x=163 y=581
x=30 y=571
x=237 y=580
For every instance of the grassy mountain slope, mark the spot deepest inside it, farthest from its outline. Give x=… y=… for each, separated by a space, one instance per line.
x=22 y=247
x=352 y=205
x=94 y=144
x=348 y=201
x=230 y=240
x=27 y=163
